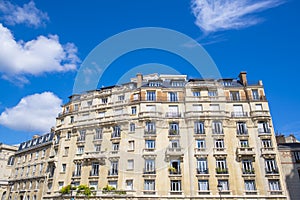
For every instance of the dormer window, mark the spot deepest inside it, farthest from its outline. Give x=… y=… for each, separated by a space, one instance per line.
x=155 y=84
x=177 y=83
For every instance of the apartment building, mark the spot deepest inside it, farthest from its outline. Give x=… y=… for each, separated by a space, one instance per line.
x=6 y=163
x=167 y=137
x=289 y=153
x=32 y=169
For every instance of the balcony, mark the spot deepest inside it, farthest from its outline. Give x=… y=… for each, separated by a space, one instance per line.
x=206 y=113
x=262 y=131
x=268 y=151
x=113 y=172
x=217 y=131
x=76 y=174
x=248 y=172
x=221 y=170
x=260 y=113
x=199 y=131
x=150 y=132
x=94 y=173
x=245 y=151
x=202 y=171
x=272 y=171
x=174 y=171
x=173 y=114
x=201 y=152
x=173 y=132
x=177 y=152
x=150 y=114
x=242 y=132
x=220 y=151
x=239 y=114
x=149 y=171
x=95 y=155
x=80 y=139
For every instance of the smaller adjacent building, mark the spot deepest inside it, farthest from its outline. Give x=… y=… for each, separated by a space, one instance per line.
x=289 y=151
x=6 y=164
x=31 y=168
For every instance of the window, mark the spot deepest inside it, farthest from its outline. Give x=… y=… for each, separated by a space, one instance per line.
x=221 y=166
x=76 y=107
x=37 y=185
x=133 y=110
x=196 y=93
x=41 y=168
x=174 y=144
x=199 y=127
x=101 y=114
x=219 y=143
x=177 y=83
x=30 y=185
x=77 y=171
x=241 y=128
x=151 y=96
x=131 y=145
x=250 y=185
x=150 y=108
x=130 y=164
x=258 y=107
x=80 y=149
x=132 y=127
x=173 y=111
x=172 y=96
x=175 y=185
x=63 y=168
x=175 y=167
x=174 y=128
x=203 y=185
x=10 y=161
x=98 y=134
x=263 y=127
x=43 y=153
x=113 y=184
x=60 y=185
x=255 y=95
x=271 y=167
x=150 y=127
x=247 y=167
x=90 y=103
x=37 y=154
x=94 y=184
x=244 y=143
x=149 y=165
x=235 y=96
x=68 y=136
x=274 y=185
x=136 y=97
x=104 y=100
x=116 y=132
x=224 y=184
x=267 y=143
x=217 y=127
x=212 y=93
x=150 y=144
x=66 y=152
x=121 y=98
x=197 y=107
x=200 y=144
x=297 y=156
x=97 y=147
x=129 y=184
x=81 y=135
x=149 y=185
x=72 y=119
x=115 y=146
x=155 y=83
x=113 y=168
x=202 y=166
x=238 y=111
x=33 y=170
x=214 y=107
x=95 y=169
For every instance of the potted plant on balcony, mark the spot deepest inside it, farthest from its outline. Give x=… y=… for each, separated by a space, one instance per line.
x=108 y=189
x=172 y=170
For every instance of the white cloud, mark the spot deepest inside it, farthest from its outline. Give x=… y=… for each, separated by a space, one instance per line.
x=35 y=112
x=219 y=15
x=28 y=14
x=35 y=57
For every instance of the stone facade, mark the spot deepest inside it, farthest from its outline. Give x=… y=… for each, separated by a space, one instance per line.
x=166 y=137
x=6 y=165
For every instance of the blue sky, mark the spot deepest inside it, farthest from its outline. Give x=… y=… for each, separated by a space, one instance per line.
x=43 y=43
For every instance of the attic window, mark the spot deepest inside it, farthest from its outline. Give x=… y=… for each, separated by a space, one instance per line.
x=227 y=83
x=155 y=83
x=177 y=83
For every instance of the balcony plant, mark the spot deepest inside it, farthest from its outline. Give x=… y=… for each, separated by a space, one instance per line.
x=85 y=191
x=221 y=170
x=172 y=169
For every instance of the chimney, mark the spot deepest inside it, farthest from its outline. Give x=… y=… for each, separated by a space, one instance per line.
x=35 y=136
x=139 y=78
x=243 y=78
